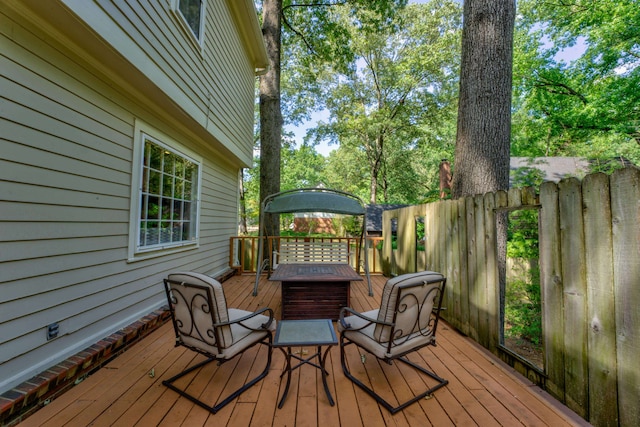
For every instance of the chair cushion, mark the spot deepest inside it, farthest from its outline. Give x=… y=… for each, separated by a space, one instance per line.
x=365 y=338
x=406 y=323
x=243 y=337
x=196 y=305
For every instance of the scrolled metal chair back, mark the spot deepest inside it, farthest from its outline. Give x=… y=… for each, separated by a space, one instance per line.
x=411 y=306
x=197 y=306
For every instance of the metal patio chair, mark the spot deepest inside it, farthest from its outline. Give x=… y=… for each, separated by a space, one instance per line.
x=203 y=324
x=405 y=322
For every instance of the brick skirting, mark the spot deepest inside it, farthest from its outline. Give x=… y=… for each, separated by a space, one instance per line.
x=26 y=398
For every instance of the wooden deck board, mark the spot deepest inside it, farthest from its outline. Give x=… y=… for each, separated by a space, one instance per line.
x=482 y=390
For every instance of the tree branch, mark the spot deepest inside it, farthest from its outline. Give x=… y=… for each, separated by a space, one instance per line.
x=298 y=33
x=560 y=89
x=329 y=4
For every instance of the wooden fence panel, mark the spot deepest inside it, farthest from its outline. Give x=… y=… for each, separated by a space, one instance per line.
x=530 y=197
x=441 y=255
x=431 y=244
x=480 y=280
x=387 y=248
x=551 y=289
x=625 y=205
x=589 y=242
x=406 y=252
x=574 y=295
x=472 y=271
x=462 y=266
x=502 y=205
x=448 y=256
x=491 y=263
x=514 y=198
x=598 y=244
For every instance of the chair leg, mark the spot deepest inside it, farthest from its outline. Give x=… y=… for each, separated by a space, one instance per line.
x=441 y=382
x=216 y=407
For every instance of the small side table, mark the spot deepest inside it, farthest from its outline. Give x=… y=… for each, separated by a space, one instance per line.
x=305 y=333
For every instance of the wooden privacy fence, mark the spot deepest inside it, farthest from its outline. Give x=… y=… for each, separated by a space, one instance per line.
x=589 y=242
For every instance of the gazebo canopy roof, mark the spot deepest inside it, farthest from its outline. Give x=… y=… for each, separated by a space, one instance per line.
x=314 y=200
x=311 y=200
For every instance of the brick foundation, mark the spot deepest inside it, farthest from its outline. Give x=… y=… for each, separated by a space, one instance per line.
x=26 y=398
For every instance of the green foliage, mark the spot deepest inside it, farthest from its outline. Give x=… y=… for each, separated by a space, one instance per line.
x=526 y=177
x=587 y=106
x=251 y=184
x=395 y=97
x=301 y=168
x=523 y=307
x=420 y=236
x=522 y=234
x=388 y=75
x=523 y=311
x=352 y=225
x=315 y=41
x=346 y=170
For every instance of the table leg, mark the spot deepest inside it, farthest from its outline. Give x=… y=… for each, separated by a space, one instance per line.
x=287 y=369
x=325 y=374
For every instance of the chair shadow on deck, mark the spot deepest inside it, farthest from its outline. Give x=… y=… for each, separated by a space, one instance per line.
x=405 y=322
x=203 y=323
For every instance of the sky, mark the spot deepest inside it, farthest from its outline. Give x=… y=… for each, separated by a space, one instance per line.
x=325 y=149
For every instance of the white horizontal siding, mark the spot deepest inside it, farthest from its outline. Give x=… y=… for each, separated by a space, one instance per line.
x=89 y=195
x=214 y=86
x=19 y=230
x=221 y=43
x=66 y=140
x=219 y=214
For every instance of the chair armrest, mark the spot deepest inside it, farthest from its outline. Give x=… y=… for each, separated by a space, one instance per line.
x=249 y=316
x=369 y=320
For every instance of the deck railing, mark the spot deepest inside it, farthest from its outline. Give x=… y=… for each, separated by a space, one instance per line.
x=243 y=251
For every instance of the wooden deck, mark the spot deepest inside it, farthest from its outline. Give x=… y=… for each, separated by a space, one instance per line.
x=128 y=391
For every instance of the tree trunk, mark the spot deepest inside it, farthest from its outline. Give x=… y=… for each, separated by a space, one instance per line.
x=373 y=189
x=483 y=139
x=375 y=164
x=270 y=114
x=484 y=113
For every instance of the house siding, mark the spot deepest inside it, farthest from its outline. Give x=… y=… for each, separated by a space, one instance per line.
x=155 y=43
x=68 y=111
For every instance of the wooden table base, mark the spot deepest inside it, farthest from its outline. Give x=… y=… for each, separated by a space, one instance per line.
x=314 y=300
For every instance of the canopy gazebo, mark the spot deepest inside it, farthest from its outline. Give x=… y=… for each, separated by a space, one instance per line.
x=310 y=200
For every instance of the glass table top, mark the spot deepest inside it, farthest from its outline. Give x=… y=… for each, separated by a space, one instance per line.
x=290 y=333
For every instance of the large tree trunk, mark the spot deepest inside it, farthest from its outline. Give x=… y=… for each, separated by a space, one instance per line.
x=484 y=111
x=483 y=139
x=270 y=114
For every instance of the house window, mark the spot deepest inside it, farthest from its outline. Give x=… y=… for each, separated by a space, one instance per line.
x=165 y=203
x=192 y=12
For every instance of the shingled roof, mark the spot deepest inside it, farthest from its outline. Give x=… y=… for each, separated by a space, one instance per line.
x=552 y=168
x=374 y=217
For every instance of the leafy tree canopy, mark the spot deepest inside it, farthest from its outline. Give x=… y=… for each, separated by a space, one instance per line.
x=586 y=107
x=393 y=99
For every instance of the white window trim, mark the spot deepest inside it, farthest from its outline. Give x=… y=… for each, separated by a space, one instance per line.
x=197 y=41
x=142 y=130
